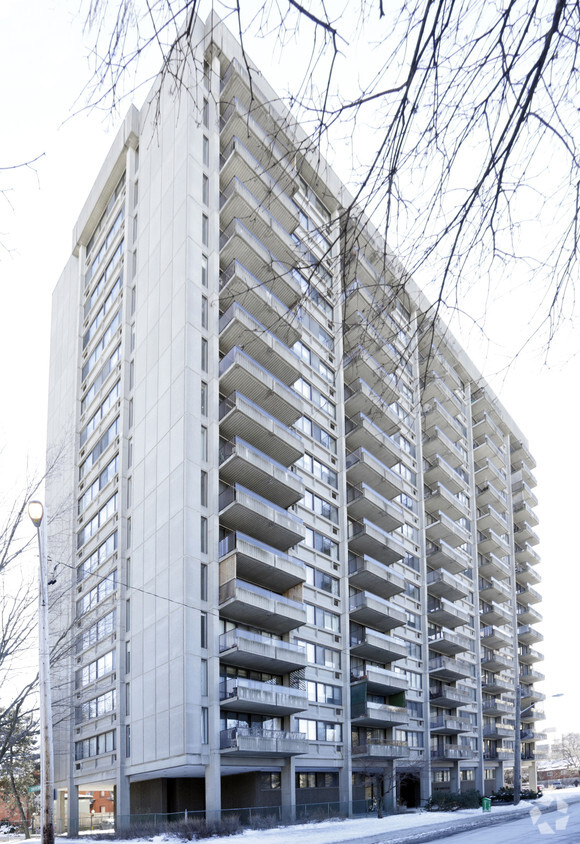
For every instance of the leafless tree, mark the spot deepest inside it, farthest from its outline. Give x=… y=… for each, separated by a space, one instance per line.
x=568 y=750
x=459 y=118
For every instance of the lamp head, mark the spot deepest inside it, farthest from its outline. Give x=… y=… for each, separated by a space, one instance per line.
x=36 y=512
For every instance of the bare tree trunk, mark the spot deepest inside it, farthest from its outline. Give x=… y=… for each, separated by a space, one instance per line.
x=16 y=795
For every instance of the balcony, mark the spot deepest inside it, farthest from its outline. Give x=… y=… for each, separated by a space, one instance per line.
x=360 y=398
x=240 y=463
x=525 y=555
x=489 y=494
x=255 y=652
x=366 y=713
x=359 y=331
x=237 y=284
x=486 y=426
x=531 y=675
x=238 y=243
x=439 y=471
x=254 y=741
x=442 y=584
x=365 y=502
x=445 y=642
x=519 y=451
x=366 y=539
x=449 y=697
x=486 y=471
x=524 y=513
x=436 y=388
x=492 y=613
x=238 y=372
x=244 y=510
x=242 y=556
x=448 y=726
x=445 y=613
x=239 y=416
x=370 y=575
x=490 y=543
x=436 y=416
x=490 y=518
x=238 y=162
x=528 y=615
x=381 y=749
x=238 y=328
x=370 y=611
x=360 y=364
x=528 y=636
x=527 y=595
x=496 y=660
x=531 y=696
x=438 y=444
x=498 y=755
x=523 y=533
x=442 y=528
x=380 y=681
x=442 y=555
x=497 y=684
x=363 y=433
x=491 y=566
x=441 y=499
x=246 y=603
x=447 y=668
x=493 y=638
x=498 y=731
x=521 y=472
x=528 y=655
x=486 y=449
x=525 y=574
x=237 y=202
x=376 y=647
x=493 y=590
x=363 y=468
x=242 y=695
x=495 y=706
x=453 y=751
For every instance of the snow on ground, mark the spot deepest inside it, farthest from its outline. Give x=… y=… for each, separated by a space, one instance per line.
x=334 y=831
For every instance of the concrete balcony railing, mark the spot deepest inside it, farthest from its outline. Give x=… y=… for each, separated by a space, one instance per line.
x=254 y=741
x=454 y=505
x=527 y=595
x=436 y=388
x=495 y=706
x=493 y=590
x=490 y=518
x=486 y=471
x=490 y=565
x=446 y=725
x=370 y=611
x=499 y=755
x=524 y=533
x=370 y=714
x=246 y=603
x=241 y=463
x=493 y=613
x=371 y=576
x=528 y=655
x=489 y=494
x=361 y=364
x=527 y=635
x=528 y=615
x=526 y=574
x=439 y=471
x=497 y=683
x=440 y=528
x=244 y=510
x=494 y=638
x=240 y=416
x=437 y=416
x=498 y=731
x=378 y=749
x=485 y=425
x=522 y=512
x=238 y=372
x=253 y=651
x=453 y=751
x=360 y=398
x=363 y=467
x=489 y=542
x=242 y=695
x=438 y=444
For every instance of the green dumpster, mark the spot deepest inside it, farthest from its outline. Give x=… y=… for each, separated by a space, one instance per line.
x=486 y=804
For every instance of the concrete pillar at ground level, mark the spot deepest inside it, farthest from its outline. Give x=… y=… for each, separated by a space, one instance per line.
x=454 y=781
x=345 y=789
x=73 y=812
x=288 y=787
x=60 y=812
x=122 y=798
x=213 y=789
x=533 y=775
x=425 y=780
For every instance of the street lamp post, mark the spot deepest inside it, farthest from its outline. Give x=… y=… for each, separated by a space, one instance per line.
x=36 y=513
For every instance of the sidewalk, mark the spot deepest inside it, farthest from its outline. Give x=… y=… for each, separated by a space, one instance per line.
x=409 y=828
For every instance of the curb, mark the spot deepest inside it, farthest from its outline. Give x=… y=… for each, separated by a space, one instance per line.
x=446 y=830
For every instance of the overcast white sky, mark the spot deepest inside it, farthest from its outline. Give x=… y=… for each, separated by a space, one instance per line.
x=44 y=67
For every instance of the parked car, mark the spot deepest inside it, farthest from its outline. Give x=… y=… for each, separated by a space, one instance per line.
x=557 y=784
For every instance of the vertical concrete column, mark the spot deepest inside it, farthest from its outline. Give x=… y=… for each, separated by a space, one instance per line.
x=454 y=785
x=60 y=819
x=122 y=798
x=288 y=788
x=213 y=788
x=533 y=775
x=390 y=798
x=345 y=778
x=73 y=811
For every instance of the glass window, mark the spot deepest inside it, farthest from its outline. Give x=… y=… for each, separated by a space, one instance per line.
x=203 y=535
x=203 y=488
x=205 y=189
x=203 y=399
x=204 y=270
x=204 y=354
x=204 y=312
x=205 y=151
x=204 y=229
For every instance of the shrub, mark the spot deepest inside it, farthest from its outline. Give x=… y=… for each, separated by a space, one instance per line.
x=449 y=801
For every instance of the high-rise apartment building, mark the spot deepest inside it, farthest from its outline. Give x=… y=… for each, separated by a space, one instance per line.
x=295 y=526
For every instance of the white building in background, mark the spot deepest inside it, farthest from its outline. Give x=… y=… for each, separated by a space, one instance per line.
x=301 y=541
